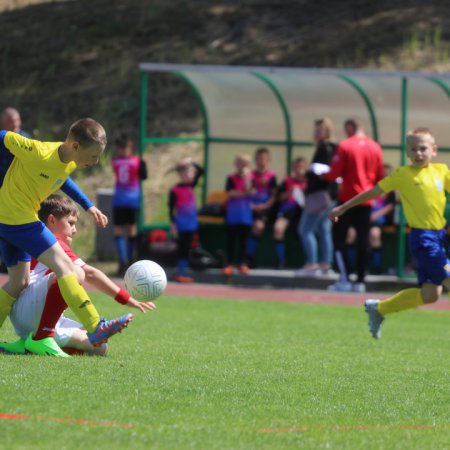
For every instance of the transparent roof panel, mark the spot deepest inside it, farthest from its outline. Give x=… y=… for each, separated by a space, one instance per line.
x=310 y=97
x=429 y=106
x=385 y=94
x=239 y=105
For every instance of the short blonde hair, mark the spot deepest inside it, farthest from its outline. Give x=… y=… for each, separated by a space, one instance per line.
x=420 y=131
x=244 y=157
x=88 y=132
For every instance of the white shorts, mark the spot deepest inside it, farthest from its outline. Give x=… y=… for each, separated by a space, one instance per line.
x=27 y=311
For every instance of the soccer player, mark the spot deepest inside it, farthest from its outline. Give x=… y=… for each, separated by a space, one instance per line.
x=422 y=186
x=39 y=307
x=183 y=214
x=129 y=169
x=262 y=201
x=239 y=186
x=38 y=170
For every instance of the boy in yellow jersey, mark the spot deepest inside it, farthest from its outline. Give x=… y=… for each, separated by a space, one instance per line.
x=422 y=187
x=38 y=170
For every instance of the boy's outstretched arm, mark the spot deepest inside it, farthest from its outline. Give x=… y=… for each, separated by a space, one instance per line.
x=103 y=283
x=356 y=200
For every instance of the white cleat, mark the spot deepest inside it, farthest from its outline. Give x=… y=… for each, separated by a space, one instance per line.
x=340 y=286
x=375 y=318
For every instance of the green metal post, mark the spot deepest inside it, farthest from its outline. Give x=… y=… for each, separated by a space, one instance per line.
x=361 y=91
x=142 y=134
x=206 y=137
x=286 y=115
x=402 y=220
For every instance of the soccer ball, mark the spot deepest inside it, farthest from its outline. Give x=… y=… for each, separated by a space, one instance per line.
x=145 y=280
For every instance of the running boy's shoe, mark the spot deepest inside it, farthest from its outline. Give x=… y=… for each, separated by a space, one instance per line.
x=13 y=348
x=375 y=318
x=46 y=346
x=107 y=328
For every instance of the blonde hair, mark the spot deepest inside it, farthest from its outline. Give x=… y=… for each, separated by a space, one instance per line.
x=244 y=157
x=87 y=132
x=326 y=124
x=420 y=131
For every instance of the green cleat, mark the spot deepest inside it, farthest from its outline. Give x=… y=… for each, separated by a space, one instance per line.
x=13 y=348
x=47 y=346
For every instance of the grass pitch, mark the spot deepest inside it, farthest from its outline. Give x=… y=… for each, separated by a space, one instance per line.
x=214 y=374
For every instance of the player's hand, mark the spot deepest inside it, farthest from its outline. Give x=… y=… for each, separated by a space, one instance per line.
x=141 y=306
x=335 y=213
x=99 y=218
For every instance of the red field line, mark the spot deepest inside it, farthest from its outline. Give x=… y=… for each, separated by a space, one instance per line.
x=61 y=419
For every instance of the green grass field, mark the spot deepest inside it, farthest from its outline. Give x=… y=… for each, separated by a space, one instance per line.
x=214 y=374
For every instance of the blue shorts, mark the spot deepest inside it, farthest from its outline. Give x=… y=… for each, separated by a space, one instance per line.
x=429 y=249
x=18 y=242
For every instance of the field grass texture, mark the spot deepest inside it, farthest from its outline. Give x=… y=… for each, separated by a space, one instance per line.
x=213 y=374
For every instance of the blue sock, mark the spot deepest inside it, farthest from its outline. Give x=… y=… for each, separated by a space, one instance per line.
x=121 y=248
x=280 y=250
x=376 y=258
x=182 y=265
x=351 y=257
x=252 y=246
x=130 y=249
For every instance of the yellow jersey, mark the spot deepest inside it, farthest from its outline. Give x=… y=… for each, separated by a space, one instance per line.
x=422 y=193
x=35 y=173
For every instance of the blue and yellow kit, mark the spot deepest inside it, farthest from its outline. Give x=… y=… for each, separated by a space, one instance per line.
x=35 y=173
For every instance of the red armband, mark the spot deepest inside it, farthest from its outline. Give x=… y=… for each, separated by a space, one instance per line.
x=122 y=297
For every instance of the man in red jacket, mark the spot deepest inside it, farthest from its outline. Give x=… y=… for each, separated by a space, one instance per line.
x=359 y=163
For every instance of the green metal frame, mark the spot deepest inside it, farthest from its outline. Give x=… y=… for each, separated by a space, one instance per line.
x=263 y=74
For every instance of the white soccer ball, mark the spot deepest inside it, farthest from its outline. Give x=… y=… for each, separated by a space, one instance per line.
x=145 y=280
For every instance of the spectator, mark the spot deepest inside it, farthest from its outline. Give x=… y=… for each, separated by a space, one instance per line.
x=314 y=225
x=238 y=217
x=183 y=214
x=129 y=171
x=262 y=202
x=10 y=120
x=290 y=207
x=359 y=163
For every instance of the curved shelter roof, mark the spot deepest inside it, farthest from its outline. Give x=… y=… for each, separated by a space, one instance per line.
x=243 y=107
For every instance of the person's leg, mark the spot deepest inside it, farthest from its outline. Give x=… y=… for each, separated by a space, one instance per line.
x=77 y=298
x=323 y=227
x=339 y=232
x=279 y=230
x=253 y=240
x=132 y=233
x=19 y=276
x=74 y=340
x=184 y=248
x=360 y=219
x=306 y=231
x=232 y=232
x=375 y=248
x=243 y=233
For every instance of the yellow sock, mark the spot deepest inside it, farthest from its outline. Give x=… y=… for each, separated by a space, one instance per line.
x=79 y=302
x=406 y=299
x=6 y=302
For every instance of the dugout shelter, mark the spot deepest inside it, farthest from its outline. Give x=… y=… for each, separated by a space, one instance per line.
x=242 y=108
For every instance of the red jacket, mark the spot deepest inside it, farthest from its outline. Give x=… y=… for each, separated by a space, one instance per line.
x=359 y=162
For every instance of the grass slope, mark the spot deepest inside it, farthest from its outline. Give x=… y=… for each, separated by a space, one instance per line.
x=209 y=374
x=61 y=60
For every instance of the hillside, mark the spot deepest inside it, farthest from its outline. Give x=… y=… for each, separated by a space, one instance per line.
x=64 y=59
